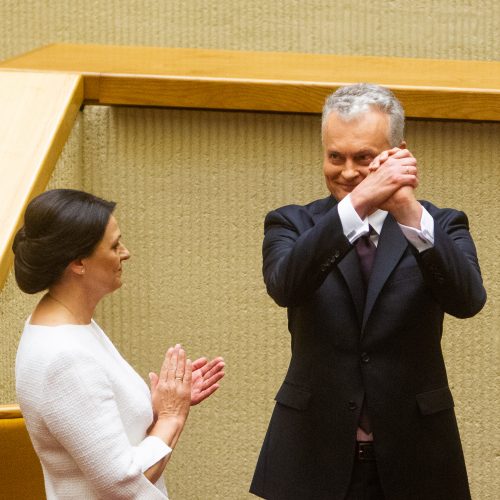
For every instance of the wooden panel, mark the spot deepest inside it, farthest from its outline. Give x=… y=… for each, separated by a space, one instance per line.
x=10 y=411
x=37 y=111
x=269 y=81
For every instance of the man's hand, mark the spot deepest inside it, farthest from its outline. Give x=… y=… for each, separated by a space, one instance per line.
x=402 y=204
x=389 y=172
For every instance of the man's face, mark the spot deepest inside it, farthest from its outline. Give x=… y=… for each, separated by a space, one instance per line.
x=350 y=146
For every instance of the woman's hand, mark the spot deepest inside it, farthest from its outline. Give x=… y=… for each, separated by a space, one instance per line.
x=171 y=390
x=170 y=398
x=206 y=374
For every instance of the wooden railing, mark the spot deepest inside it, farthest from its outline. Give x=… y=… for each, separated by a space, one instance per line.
x=268 y=81
x=10 y=411
x=37 y=111
x=21 y=474
x=41 y=91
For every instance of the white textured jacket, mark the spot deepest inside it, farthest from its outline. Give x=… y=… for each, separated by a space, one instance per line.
x=87 y=412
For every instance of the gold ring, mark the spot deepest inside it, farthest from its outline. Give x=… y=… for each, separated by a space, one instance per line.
x=179 y=378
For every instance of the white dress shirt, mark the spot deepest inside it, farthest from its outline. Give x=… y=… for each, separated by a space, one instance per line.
x=354 y=227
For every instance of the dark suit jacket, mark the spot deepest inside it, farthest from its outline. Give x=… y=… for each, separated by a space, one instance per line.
x=385 y=347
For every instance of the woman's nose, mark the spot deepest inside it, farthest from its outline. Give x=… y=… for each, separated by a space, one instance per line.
x=125 y=253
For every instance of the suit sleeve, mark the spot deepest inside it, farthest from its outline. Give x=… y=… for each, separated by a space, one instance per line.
x=83 y=416
x=298 y=255
x=451 y=268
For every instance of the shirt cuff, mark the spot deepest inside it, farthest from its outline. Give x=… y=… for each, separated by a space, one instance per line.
x=423 y=238
x=150 y=451
x=352 y=225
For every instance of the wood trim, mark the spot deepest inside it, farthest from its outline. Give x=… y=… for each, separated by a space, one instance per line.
x=68 y=75
x=38 y=111
x=10 y=411
x=268 y=81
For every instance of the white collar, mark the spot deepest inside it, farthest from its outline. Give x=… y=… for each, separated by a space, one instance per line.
x=376 y=220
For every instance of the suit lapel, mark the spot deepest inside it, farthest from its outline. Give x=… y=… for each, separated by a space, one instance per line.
x=350 y=269
x=349 y=265
x=391 y=246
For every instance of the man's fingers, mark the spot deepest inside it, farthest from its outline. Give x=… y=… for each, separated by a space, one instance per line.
x=402 y=153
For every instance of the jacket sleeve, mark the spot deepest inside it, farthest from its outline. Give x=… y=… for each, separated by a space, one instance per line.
x=451 y=268
x=83 y=416
x=298 y=255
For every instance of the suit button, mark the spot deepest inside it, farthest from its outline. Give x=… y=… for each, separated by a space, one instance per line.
x=336 y=254
x=365 y=357
x=352 y=405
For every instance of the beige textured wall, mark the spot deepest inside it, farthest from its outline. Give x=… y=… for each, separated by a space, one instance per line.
x=453 y=29
x=193 y=189
x=15 y=306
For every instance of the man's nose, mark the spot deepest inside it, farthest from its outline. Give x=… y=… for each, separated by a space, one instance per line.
x=350 y=170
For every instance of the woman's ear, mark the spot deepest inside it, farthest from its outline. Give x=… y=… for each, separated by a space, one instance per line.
x=77 y=267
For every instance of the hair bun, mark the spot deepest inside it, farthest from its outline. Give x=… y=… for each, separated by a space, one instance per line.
x=19 y=238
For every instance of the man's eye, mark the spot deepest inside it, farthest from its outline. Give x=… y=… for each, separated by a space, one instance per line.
x=365 y=159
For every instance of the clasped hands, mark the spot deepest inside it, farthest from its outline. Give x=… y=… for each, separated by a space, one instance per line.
x=389 y=185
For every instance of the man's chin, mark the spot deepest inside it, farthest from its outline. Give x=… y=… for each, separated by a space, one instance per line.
x=339 y=194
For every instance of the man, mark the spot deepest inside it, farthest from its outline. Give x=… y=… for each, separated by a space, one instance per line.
x=367 y=274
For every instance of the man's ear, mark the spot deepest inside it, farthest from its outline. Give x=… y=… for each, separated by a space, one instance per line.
x=77 y=267
x=402 y=145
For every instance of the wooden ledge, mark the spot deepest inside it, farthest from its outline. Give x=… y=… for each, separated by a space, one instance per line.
x=268 y=81
x=41 y=92
x=37 y=113
x=10 y=411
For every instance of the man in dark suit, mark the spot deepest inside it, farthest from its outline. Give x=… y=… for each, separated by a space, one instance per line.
x=367 y=274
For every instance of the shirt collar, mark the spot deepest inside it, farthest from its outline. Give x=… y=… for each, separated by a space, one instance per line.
x=377 y=219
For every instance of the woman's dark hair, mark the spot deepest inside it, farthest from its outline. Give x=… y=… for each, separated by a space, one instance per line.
x=60 y=226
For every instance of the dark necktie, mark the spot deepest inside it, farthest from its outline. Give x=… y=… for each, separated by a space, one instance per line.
x=366 y=251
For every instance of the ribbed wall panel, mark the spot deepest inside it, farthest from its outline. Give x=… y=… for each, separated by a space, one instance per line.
x=459 y=169
x=16 y=306
x=450 y=29
x=193 y=189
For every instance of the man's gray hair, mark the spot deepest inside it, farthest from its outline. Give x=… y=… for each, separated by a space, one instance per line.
x=353 y=100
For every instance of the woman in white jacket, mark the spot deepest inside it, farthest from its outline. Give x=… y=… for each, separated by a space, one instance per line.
x=99 y=431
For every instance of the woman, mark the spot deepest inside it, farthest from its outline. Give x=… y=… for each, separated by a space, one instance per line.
x=97 y=428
